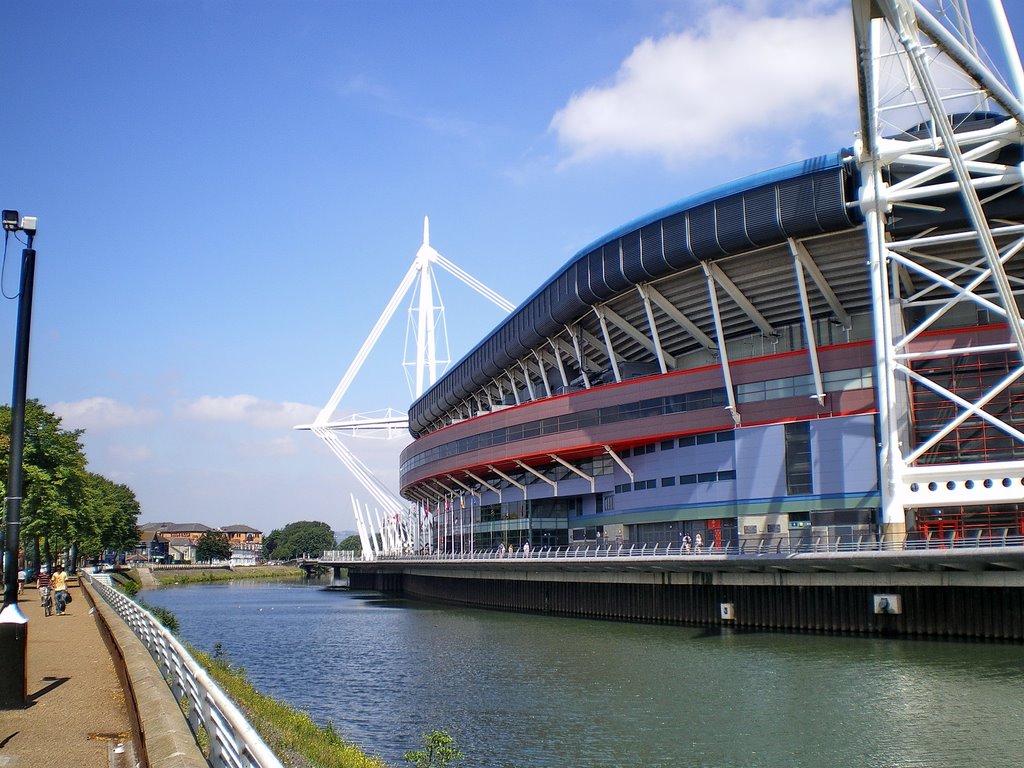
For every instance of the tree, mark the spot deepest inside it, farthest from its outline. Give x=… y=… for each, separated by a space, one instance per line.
x=298 y=539
x=64 y=506
x=115 y=513
x=213 y=545
x=54 y=479
x=351 y=544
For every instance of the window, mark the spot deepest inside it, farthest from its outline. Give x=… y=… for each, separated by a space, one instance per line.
x=667 y=482
x=668 y=445
x=707 y=477
x=687 y=479
x=798 y=458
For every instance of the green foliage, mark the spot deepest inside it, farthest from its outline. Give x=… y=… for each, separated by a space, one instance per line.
x=64 y=504
x=293 y=735
x=115 y=511
x=351 y=544
x=210 y=575
x=162 y=615
x=130 y=587
x=213 y=545
x=439 y=750
x=298 y=539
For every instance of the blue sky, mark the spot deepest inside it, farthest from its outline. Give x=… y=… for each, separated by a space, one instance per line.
x=229 y=192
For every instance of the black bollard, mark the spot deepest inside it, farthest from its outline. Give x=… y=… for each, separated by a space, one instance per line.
x=13 y=655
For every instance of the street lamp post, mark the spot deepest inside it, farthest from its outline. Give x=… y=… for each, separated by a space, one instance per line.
x=13 y=624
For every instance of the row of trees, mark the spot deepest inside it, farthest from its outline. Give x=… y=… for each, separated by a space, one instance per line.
x=65 y=507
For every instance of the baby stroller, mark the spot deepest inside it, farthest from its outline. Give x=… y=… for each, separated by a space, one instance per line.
x=46 y=600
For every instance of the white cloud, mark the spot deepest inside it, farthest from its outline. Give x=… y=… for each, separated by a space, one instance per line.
x=102 y=413
x=248 y=409
x=702 y=91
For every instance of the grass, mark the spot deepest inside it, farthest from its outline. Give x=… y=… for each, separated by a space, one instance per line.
x=208 y=575
x=290 y=733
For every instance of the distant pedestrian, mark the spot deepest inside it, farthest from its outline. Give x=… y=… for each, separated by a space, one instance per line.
x=526 y=549
x=21 y=581
x=59 y=584
x=687 y=543
x=698 y=543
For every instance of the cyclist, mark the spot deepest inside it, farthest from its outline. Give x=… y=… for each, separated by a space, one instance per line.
x=45 y=592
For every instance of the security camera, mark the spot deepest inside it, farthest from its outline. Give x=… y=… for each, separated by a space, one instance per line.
x=11 y=219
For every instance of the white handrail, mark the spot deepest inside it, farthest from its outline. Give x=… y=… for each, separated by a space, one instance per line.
x=233 y=741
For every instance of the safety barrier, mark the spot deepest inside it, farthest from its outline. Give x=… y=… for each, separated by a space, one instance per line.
x=233 y=742
x=749 y=547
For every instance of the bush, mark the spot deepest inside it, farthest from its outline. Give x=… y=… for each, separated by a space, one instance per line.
x=438 y=751
x=162 y=615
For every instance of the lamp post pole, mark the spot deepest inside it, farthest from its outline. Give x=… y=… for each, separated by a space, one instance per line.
x=13 y=624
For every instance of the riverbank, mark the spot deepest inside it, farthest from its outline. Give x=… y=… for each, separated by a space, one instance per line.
x=292 y=734
x=200 y=575
x=296 y=739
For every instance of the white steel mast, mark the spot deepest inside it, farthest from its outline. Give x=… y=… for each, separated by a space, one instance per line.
x=919 y=69
x=398 y=528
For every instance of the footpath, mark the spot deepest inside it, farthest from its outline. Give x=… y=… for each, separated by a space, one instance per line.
x=76 y=713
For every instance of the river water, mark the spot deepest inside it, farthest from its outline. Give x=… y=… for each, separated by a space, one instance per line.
x=535 y=691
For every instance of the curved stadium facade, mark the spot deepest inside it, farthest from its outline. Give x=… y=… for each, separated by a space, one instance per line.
x=710 y=368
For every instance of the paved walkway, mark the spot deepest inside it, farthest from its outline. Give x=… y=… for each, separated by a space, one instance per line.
x=77 y=714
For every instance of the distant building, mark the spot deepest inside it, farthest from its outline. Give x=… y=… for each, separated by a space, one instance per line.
x=182 y=549
x=244 y=538
x=165 y=542
x=151 y=548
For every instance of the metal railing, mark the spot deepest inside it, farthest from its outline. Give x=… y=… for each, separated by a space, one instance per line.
x=748 y=547
x=338 y=555
x=233 y=742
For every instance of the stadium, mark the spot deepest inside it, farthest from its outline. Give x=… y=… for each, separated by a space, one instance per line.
x=712 y=369
x=825 y=353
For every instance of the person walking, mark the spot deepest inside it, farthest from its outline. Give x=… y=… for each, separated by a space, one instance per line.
x=45 y=592
x=59 y=584
x=698 y=543
x=21 y=580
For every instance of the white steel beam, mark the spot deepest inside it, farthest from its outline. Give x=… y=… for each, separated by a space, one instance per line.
x=492 y=488
x=642 y=339
x=723 y=355
x=799 y=250
x=601 y=312
x=652 y=325
x=579 y=356
x=576 y=470
x=618 y=460
x=508 y=479
x=680 y=319
x=539 y=475
x=812 y=344
x=715 y=272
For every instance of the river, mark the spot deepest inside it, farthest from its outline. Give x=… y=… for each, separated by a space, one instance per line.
x=542 y=692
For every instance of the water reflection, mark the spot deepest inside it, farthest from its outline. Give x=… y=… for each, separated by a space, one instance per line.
x=525 y=690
